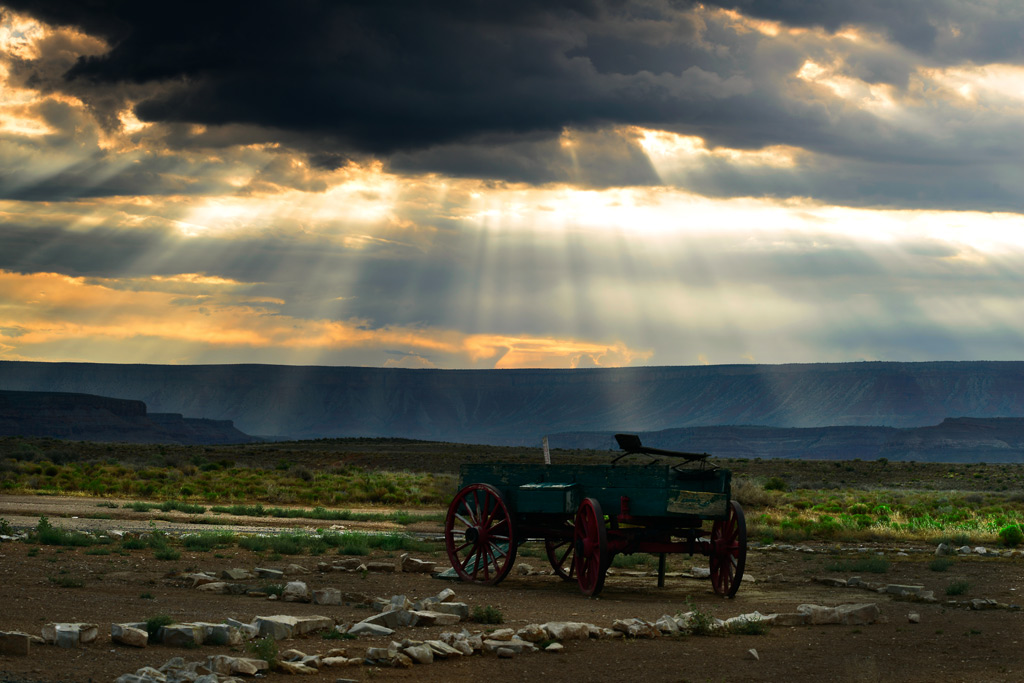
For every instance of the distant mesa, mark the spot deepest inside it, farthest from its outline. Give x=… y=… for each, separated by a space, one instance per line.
x=992 y=440
x=844 y=410
x=84 y=417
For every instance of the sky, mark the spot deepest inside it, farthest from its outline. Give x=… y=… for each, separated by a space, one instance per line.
x=485 y=184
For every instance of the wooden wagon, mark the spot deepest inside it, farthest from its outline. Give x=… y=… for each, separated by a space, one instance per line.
x=585 y=515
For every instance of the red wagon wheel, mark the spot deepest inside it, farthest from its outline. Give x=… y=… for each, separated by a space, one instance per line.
x=561 y=552
x=480 y=535
x=728 y=551
x=591 y=547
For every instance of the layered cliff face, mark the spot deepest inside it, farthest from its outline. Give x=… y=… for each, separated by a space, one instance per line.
x=83 y=417
x=521 y=406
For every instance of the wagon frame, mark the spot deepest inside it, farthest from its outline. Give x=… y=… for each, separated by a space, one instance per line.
x=587 y=514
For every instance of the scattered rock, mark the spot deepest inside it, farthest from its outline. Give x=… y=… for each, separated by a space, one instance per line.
x=327 y=596
x=752 y=654
x=70 y=635
x=829 y=581
x=264 y=573
x=15 y=643
x=365 y=629
x=295 y=591
x=383 y=567
x=237 y=575
x=566 y=630
x=128 y=634
x=914 y=618
x=282 y=626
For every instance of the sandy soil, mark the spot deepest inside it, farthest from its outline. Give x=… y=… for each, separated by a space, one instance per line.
x=951 y=643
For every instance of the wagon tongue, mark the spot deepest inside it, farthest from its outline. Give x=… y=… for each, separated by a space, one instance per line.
x=631 y=444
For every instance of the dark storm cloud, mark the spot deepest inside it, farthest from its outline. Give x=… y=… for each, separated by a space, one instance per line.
x=484 y=89
x=943 y=30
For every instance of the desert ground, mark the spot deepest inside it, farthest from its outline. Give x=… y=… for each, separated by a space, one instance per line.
x=949 y=642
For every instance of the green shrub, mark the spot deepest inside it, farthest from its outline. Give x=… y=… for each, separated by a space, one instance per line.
x=487 y=615
x=776 y=484
x=265 y=649
x=751 y=627
x=256 y=544
x=166 y=554
x=1011 y=536
x=940 y=564
x=154 y=624
x=958 y=587
x=701 y=623
x=875 y=564
x=67 y=581
x=47 y=534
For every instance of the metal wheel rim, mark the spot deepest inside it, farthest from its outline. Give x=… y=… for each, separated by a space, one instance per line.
x=728 y=551
x=591 y=547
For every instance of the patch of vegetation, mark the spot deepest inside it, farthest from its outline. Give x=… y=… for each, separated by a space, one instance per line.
x=265 y=649
x=67 y=581
x=487 y=614
x=941 y=564
x=634 y=560
x=147 y=596
x=47 y=534
x=752 y=627
x=5 y=528
x=207 y=541
x=98 y=551
x=701 y=623
x=1011 y=535
x=333 y=634
x=958 y=587
x=167 y=554
x=875 y=564
x=155 y=623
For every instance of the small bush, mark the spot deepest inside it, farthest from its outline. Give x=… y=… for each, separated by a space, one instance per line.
x=701 y=623
x=752 y=627
x=958 y=587
x=166 y=554
x=256 y=544
x=265 y=649
x=47 y=534
x=874 y=565
x=940 y=564
x=487 y=615
x=154 y=624
x=67 y=582
x=1011 y=536
x=776 y=484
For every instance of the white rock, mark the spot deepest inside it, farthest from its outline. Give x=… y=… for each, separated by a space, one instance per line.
x=129 y=635
x=295 y=591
